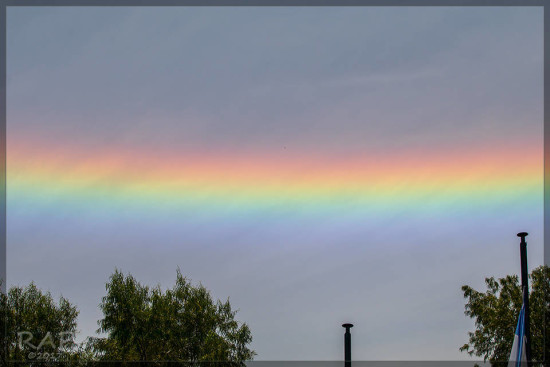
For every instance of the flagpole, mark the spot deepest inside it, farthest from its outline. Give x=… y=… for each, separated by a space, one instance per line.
x=525 y=293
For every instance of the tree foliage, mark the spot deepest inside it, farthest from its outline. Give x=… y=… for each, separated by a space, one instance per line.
x=181 y=324
x=496 y=313
x=35 y=326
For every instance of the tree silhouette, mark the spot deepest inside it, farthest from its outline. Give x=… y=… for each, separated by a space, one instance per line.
x=496 y=313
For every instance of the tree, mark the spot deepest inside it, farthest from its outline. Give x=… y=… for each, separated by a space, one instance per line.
x=34 y=326
x=496 y=313
x=182 y=324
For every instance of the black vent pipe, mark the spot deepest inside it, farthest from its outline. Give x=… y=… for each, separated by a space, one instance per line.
x=347 y=345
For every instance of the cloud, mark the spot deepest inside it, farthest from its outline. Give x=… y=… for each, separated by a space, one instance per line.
x=324 y=80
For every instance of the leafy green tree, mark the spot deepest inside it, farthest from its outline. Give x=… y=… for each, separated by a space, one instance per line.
x=3 y=328
x=182 y=324
x=496 y=313
x=34 y=326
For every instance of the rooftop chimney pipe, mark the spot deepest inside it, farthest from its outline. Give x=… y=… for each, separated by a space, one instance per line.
x=347 y=345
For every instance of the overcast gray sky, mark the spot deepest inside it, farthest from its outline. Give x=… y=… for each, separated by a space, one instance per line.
x=445 y=87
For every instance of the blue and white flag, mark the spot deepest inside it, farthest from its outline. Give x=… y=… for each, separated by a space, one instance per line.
x=518 y=355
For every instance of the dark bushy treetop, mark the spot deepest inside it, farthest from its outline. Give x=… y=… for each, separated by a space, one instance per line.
x=33 y=325
x=180 y=324
x=496 y=314
x=141 y=326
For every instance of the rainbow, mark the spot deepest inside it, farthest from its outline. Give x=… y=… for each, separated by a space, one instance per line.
x=45 y=175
